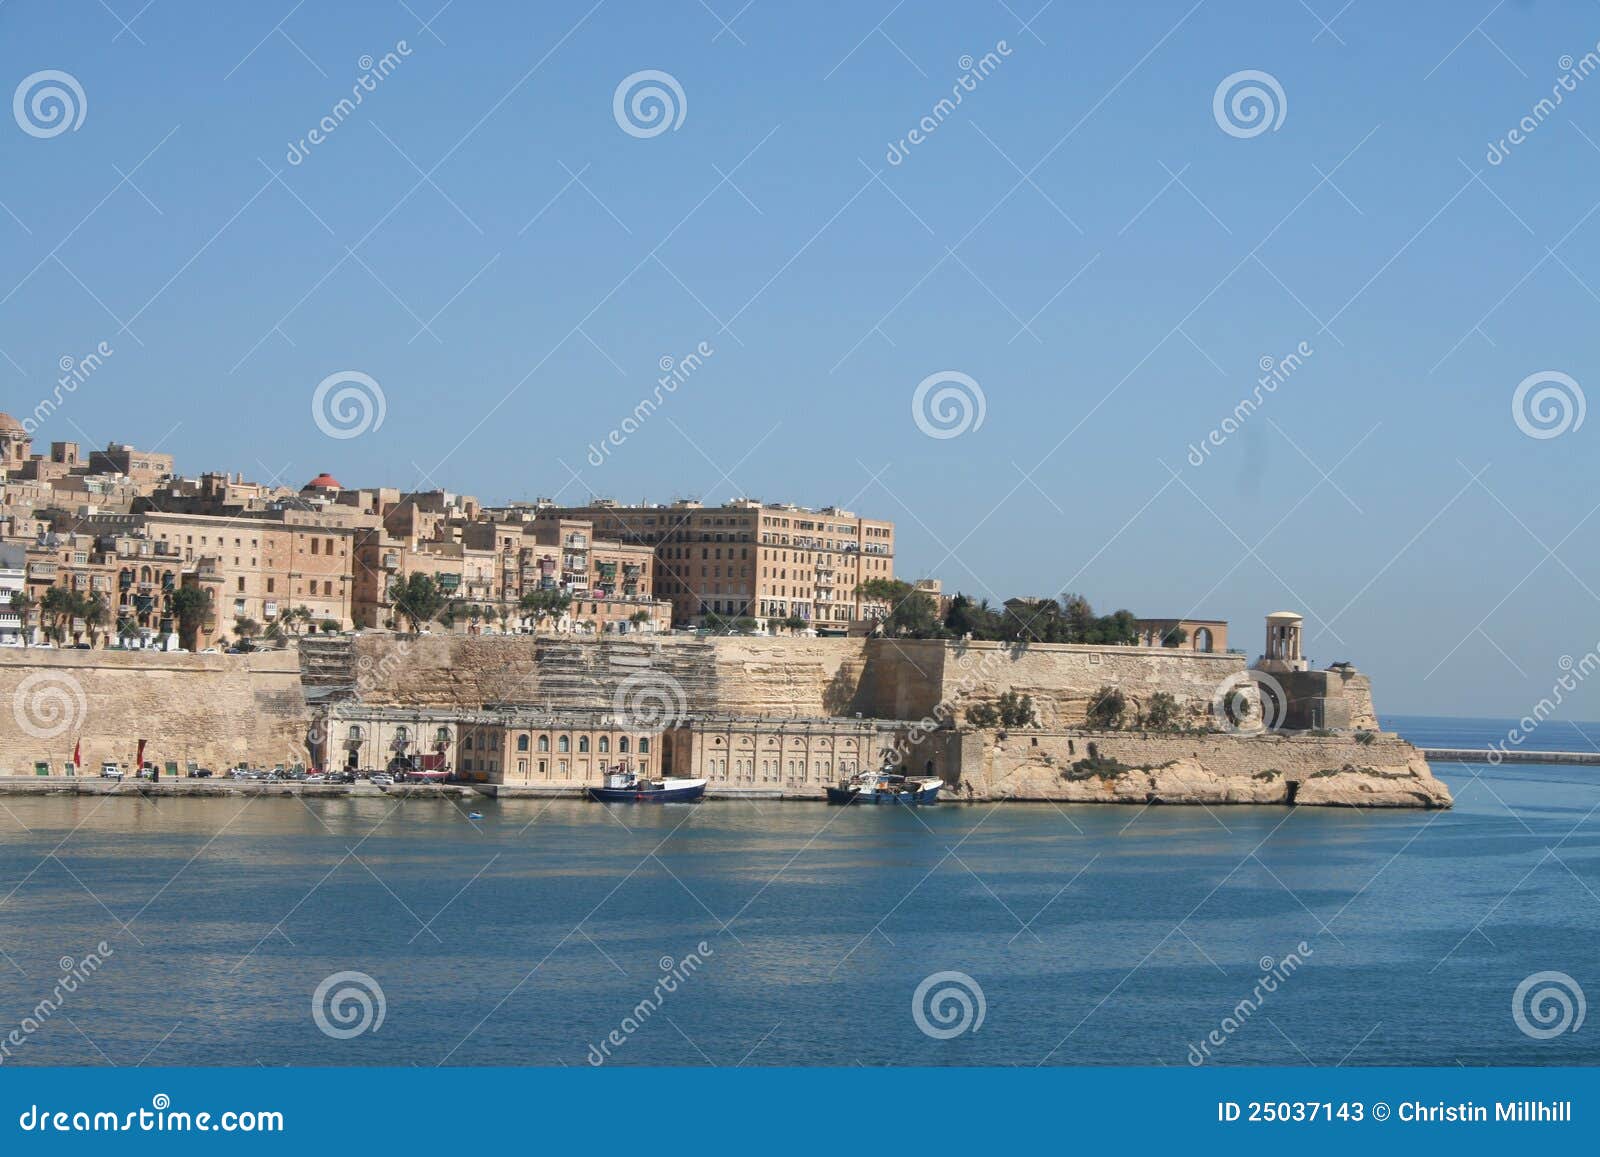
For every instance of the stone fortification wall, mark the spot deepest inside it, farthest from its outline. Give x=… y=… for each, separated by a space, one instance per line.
x=746 y=676
x=880 y=678
x=1063 y=679
x=212 y=709
x=788 y=677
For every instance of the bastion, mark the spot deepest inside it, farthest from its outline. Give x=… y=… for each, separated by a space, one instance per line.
x=906 y=700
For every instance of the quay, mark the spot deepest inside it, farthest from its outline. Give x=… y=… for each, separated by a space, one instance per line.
x=217 y=788
x=1486 y=755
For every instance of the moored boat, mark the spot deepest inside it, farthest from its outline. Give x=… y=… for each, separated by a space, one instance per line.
x=625 y=786
x=885 y=787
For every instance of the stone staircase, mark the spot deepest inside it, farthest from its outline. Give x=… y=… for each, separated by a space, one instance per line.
x=590 y=674
x=327 y=668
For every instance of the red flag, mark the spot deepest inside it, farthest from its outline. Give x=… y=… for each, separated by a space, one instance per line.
x=77 y=753
x=138 y=763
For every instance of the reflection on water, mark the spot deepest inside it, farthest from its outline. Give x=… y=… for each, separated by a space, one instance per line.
x=1097 y=934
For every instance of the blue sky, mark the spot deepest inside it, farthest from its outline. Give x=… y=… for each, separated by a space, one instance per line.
x=1080 y=237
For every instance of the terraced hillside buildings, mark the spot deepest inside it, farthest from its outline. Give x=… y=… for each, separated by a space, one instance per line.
x=752 y=559
x=121 y=533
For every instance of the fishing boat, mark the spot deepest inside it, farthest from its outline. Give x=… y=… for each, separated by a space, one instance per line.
x=886 y=787
x=622 y=785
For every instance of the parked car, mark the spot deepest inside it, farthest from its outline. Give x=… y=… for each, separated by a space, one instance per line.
x=110 y=771
x=199 y=773
x=316 y=777
x=383 y=779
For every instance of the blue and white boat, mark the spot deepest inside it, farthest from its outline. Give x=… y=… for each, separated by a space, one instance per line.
x=625 y=786
x=886 y=787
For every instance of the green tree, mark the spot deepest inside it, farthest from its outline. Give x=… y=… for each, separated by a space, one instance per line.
x=246 y=629
x=58 y=607
x=1016 y=710
x=977 y=619
x=1161 y=713
x=22 y=605
x=191 y=606
x=417 y=598
x=1107 y=709
x=96 y=613
x=983 y=716
x=1174 y=637
x=330 y=626
x=540 y=605
x=912 y=614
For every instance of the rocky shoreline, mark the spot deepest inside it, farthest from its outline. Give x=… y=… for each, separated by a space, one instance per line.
x=1180 y=782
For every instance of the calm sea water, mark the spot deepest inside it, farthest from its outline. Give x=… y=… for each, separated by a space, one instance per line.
x=1097 y=935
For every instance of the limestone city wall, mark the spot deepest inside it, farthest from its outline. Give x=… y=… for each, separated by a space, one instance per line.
x=212 y=709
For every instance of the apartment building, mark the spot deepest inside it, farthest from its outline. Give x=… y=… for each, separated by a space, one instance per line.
x=750 y=558
x=261 y=564
x=13 y=579
x=494 y=563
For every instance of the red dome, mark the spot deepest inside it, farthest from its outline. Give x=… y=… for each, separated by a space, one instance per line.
x=323 y=481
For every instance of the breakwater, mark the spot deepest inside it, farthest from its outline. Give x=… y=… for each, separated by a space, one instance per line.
x=1495 y=755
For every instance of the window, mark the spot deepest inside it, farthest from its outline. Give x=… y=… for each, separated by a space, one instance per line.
x=522 y=743
x=564 y=745
x=241 y=584
x=544 y=745
x=644 y=747
x=605 y=744
x=466 y=743
x=583 y=744
x=271 y=584
x=622 y=745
